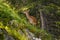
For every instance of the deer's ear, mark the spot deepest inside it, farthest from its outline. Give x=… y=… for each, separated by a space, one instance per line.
x=24 y=12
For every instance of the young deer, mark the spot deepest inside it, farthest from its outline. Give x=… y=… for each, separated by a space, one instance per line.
x=31 y=19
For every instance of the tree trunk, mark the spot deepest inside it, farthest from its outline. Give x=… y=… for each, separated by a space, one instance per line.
x=42 y=20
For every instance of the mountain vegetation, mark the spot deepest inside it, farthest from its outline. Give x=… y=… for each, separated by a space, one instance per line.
x=14 y=25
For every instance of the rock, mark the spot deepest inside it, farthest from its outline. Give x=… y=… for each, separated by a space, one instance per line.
x=31 y=36
x=7 y=37
x=36 y=38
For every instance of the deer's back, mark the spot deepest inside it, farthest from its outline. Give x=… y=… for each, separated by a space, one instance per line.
x=32 y=20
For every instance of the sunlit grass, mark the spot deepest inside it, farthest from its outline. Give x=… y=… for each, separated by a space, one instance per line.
x=13 y=32
x=22 y=23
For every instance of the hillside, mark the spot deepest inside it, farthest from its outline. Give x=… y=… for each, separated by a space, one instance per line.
x=15 y=25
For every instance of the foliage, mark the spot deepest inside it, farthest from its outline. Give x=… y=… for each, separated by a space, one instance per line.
x=9 y=13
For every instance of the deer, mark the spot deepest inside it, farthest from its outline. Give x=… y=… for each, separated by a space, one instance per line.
x=30 y=18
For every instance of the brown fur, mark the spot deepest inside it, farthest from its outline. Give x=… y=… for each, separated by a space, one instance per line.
x=31 y=19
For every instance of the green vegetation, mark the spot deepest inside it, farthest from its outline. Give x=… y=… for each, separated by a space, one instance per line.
x=11 y=11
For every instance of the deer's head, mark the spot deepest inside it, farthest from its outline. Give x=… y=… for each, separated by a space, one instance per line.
x=26 y=11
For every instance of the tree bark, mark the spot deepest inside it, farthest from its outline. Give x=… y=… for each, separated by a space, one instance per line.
x=42 y=20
